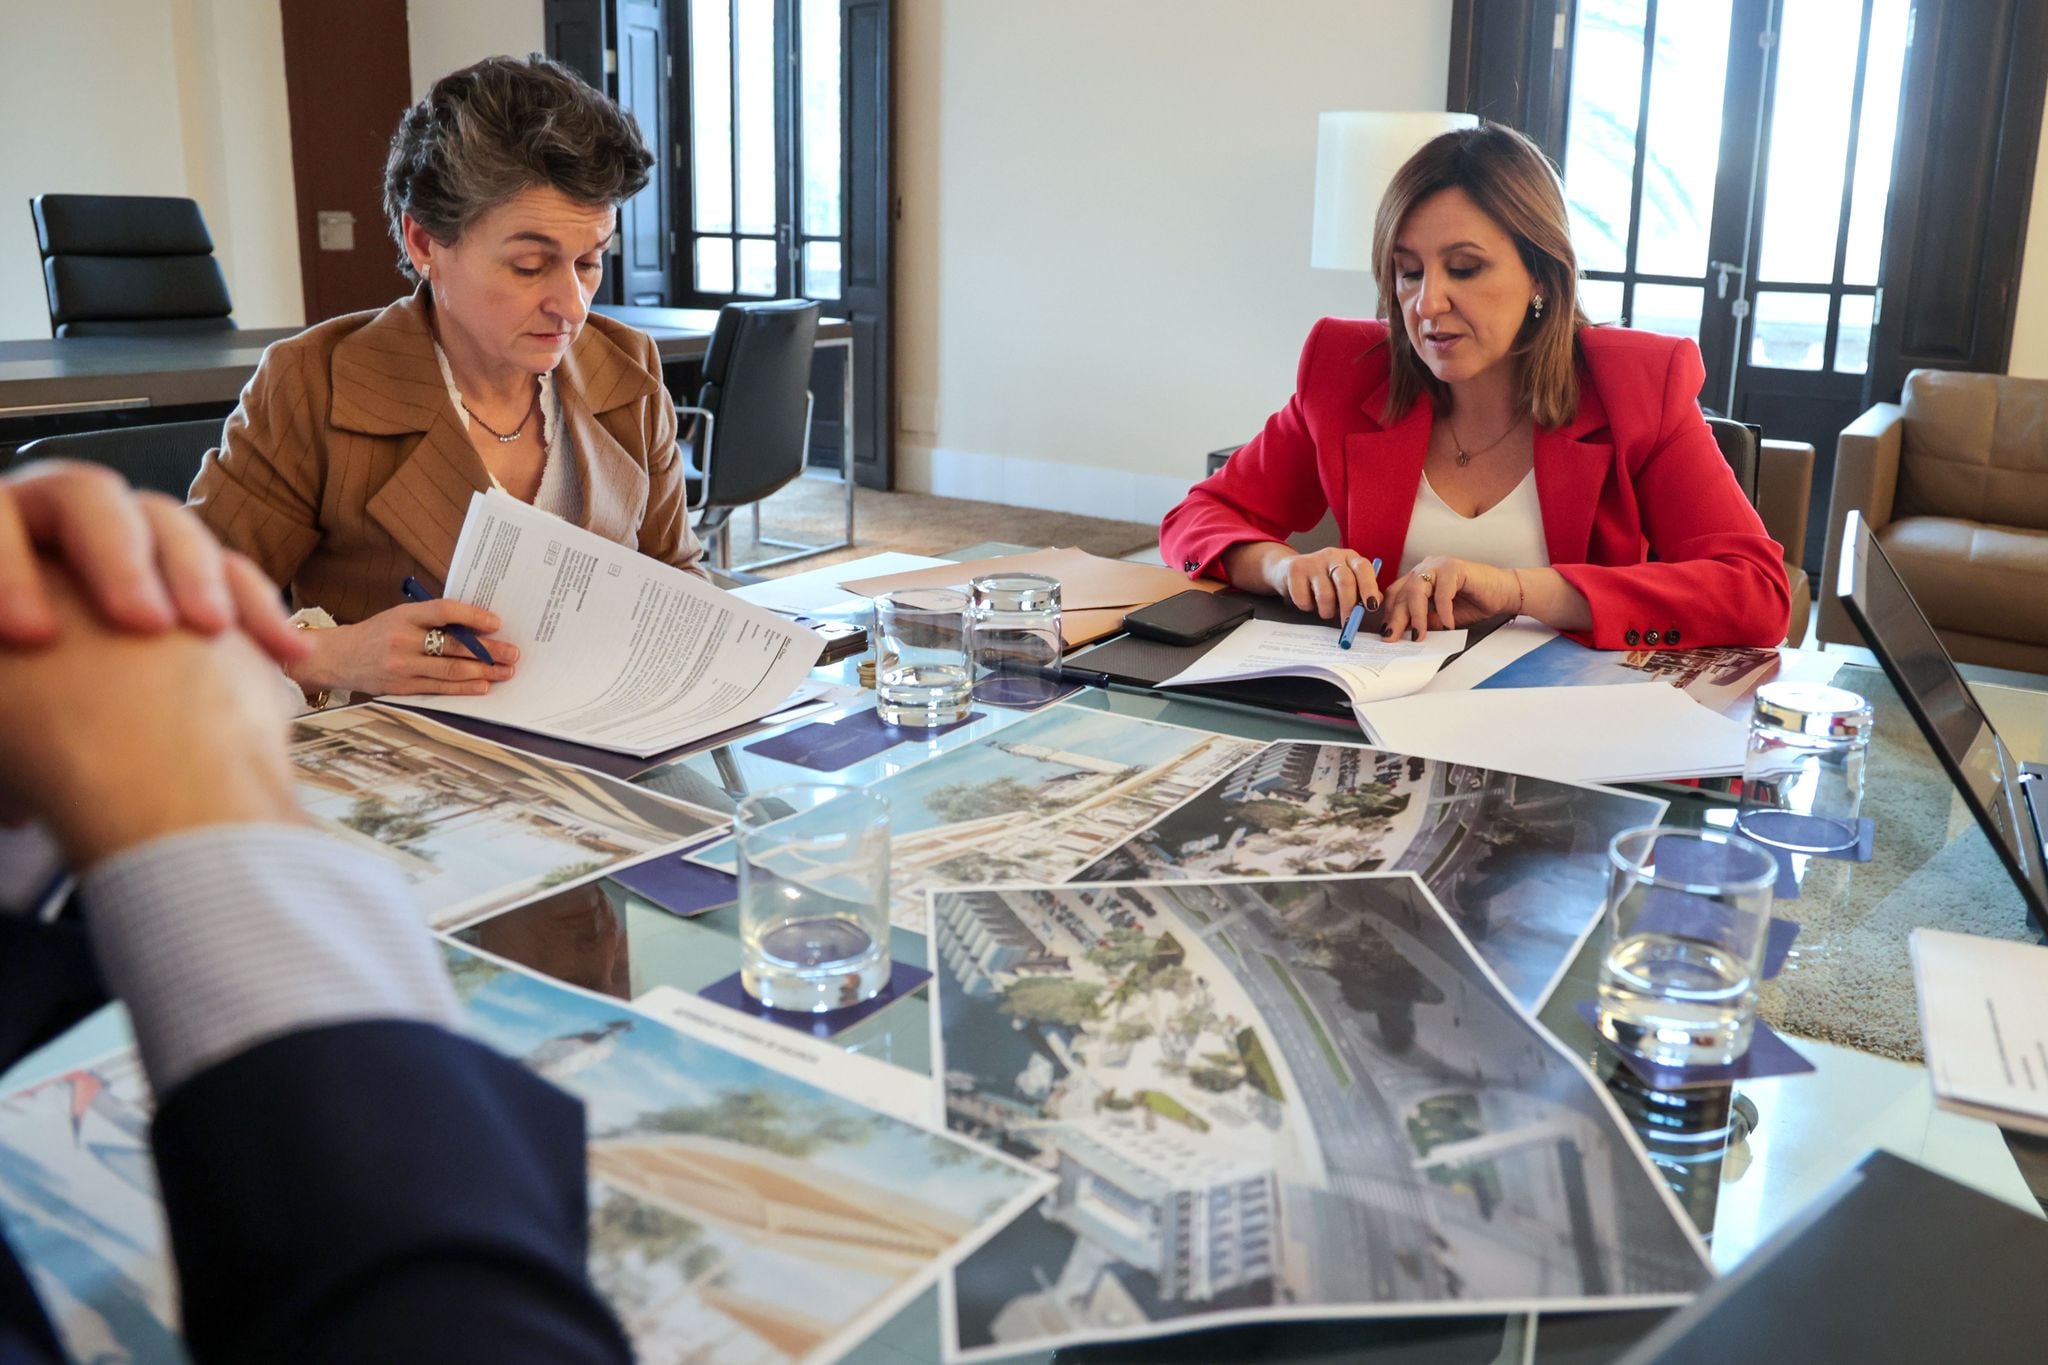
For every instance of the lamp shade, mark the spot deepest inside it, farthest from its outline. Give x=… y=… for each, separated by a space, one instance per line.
x=1357 y=154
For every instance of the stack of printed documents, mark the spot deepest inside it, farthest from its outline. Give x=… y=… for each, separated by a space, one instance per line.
x=616 y=650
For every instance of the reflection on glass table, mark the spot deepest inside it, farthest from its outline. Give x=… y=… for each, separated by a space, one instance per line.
x=1742 y=1160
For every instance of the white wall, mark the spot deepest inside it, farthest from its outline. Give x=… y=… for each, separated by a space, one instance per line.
x=1102 y=261
x=445 y=35
x=178 y=97
x=2030 y=327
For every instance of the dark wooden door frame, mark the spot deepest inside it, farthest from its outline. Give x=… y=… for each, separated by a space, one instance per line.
x=1962 y=171
x=341 y=111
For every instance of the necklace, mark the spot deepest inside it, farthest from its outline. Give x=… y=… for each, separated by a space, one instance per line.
x=507 y=437
x=1464 y=455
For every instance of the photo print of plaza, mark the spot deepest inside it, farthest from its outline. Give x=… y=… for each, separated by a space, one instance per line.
x=1274 y=1098
x=1519 y=862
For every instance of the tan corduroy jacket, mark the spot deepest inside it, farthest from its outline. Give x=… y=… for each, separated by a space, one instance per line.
x=346 y=468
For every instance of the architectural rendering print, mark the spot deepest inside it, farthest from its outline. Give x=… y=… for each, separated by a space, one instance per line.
x=737 y=1216
x=1520 y=862
x=1274 y=1098
x=1036 y=801
x=475 y=827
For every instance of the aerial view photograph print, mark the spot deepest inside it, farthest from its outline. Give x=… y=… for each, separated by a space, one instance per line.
x=1274 y=1098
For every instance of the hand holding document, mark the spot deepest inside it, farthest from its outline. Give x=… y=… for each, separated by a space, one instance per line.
x=1984 y=1025
x=616 y=650
x=1370 y=670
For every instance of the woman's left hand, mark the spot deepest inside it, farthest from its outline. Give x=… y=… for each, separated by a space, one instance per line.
x=1442 y=593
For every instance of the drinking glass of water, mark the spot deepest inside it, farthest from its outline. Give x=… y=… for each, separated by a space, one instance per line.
x=814 y=896
x=925 y=677
x=1802 y=774
x=1017 y=646
x=1688 y=915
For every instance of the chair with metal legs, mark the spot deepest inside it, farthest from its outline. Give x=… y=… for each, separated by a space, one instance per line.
x=754 y=418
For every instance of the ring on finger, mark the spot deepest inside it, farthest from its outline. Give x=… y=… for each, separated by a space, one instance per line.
x=436 y=642
x=1427 y=577
x=1337 y=573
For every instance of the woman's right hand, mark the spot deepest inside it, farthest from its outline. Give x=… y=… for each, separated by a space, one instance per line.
x=387 y=654
x=1328 y=582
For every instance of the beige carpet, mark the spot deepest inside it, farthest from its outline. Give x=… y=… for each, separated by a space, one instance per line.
x=814 y=511
x=1850 y=977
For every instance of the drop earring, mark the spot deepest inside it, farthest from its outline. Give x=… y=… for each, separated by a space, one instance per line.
x=1536 y=305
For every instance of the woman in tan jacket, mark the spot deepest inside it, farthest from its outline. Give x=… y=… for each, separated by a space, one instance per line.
x=350 y=462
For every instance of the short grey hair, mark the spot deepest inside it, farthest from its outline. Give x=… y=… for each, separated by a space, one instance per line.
x=489 y=131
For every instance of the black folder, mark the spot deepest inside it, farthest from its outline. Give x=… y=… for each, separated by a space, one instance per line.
x=1892 y=1264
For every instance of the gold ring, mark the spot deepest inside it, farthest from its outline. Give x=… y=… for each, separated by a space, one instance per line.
x=1428 y=577
x=436 y=642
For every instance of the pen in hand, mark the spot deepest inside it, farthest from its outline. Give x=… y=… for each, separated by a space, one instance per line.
x=464 y=636
x=1357 y=617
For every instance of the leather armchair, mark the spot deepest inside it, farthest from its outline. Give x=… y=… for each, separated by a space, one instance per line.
x=1953 y=480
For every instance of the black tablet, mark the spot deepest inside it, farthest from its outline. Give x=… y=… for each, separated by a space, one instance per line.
x=2001 y=793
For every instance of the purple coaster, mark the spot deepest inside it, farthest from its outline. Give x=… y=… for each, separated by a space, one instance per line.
x=679 y=886
x=1788 y=881
x=1769 y=1055
x=903 y=979
x=1778 y=945
x=1014 y=693
x=829 y=746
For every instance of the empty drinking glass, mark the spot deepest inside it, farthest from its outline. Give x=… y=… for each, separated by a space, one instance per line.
x=1017 y=647
x=813 y=896
x=1688 y=915
x=921 y=638
x=1802 y=775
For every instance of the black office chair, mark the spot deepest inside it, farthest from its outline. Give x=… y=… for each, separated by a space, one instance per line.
x=128 y=265
x=1778 y=483
x=165 y=458
x=755 y=406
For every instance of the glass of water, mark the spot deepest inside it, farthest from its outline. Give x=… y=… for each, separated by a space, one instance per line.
x=1688 y=915
x=813 y=896
x=1017 y=646
x=921 y=637
x=1802 y=774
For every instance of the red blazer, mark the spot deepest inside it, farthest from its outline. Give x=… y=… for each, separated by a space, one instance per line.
x=1640 y=511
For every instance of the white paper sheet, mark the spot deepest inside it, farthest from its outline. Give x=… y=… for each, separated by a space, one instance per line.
x=1984 y=1023
x=616 y=650
x=897 y=1092
x=1371 y=669
x=817 y=593
x=1636 y=732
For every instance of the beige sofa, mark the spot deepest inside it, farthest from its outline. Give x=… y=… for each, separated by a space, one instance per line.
x=1953 y=480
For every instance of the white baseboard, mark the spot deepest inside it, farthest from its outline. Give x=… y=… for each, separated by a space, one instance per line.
x=1018 y=481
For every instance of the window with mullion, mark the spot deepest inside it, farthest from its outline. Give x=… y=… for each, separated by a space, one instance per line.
x=763 y=149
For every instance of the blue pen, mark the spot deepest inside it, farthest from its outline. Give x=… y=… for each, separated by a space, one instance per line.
x=1357 y=617
x=464 y=636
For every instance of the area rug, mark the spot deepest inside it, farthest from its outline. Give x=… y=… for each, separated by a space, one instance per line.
x=1850 y=976
x=814 y=511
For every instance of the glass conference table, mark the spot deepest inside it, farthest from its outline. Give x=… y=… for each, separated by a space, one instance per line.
x=1742 y=1159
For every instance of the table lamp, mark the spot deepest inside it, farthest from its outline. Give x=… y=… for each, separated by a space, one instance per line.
x=1357 y=153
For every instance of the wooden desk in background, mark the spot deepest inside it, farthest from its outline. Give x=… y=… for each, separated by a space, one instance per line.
x=49 y=386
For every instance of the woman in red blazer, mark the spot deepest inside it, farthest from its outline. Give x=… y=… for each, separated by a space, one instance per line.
x=1493 y=452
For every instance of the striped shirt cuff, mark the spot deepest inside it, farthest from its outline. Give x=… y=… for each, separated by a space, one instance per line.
x=223 y=937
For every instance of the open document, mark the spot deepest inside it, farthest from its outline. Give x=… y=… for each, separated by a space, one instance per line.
x=1370 y=670
x=616 y=650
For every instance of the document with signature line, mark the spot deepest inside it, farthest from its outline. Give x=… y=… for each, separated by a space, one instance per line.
x=616 y=650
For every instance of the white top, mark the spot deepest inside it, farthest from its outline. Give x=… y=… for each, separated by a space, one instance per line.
x=1508 y=535
x=558 y=492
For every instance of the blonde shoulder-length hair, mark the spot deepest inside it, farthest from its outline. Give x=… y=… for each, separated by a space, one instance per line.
x=1514 y=184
